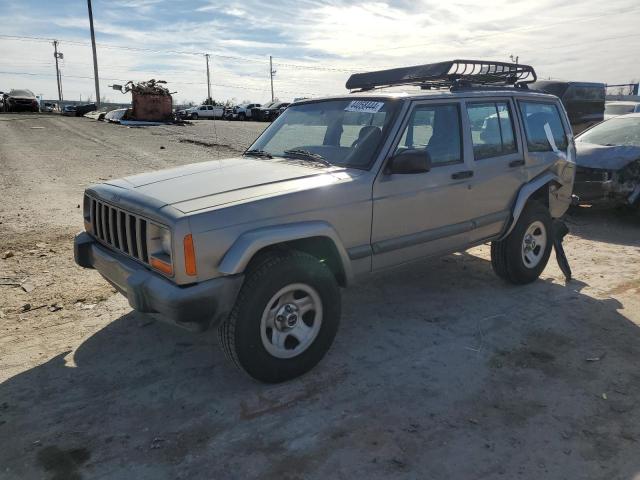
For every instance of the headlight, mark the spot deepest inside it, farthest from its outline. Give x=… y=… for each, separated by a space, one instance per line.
x=86 y=214
x=159 y=246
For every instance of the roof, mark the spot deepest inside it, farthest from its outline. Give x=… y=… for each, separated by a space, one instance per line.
x=622 y=102
x=433 y=94
x=626 y=115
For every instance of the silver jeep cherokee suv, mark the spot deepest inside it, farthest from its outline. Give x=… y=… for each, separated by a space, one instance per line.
x=336 y=188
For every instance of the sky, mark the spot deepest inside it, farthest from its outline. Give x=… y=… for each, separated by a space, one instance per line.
x=315 y=45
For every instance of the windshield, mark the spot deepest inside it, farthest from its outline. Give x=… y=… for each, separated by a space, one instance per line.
x=345 y=132
x=21 y=93
x=617 y=131
x=618 y=108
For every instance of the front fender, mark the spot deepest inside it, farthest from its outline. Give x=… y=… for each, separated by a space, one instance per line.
x=249 y=243
x=525 y=193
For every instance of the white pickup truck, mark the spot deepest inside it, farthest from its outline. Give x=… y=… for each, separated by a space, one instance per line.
x=205 y=111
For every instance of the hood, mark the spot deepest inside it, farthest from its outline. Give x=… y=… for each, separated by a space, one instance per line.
x=605 y=157
x=22 y=97
x=220 y=182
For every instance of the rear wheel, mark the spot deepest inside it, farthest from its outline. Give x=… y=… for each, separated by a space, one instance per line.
x=521 y=257
x=285 y=318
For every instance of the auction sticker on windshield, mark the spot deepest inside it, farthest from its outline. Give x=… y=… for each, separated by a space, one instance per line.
x=364 y=106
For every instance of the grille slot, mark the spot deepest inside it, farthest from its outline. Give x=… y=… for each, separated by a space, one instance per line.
x=119 y=230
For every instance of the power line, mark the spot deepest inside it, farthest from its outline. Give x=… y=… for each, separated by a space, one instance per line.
x=175 y=82
x=183 y=52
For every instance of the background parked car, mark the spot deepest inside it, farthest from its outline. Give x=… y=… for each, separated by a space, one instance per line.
x=256 y=113
x=269 y=112
x=206 y=111
x=69 y=110
x=608 y=160
x=244 y=111
x=613 y=109
x=584 y=101
x=48 y=107
x=21 y=101
x=183 y=113
x=281 y=110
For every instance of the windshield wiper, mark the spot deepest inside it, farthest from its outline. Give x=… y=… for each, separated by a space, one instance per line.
x=258 y=153
x=306 y=155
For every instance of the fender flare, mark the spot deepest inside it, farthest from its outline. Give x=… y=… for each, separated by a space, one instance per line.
x=523 y=196
x=249 y=243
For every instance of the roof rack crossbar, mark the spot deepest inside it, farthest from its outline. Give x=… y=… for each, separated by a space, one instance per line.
x=450 y=74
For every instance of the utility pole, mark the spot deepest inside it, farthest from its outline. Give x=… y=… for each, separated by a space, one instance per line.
x=272 y=72
x=58 y=55
x=206 y=55
x=95 y=57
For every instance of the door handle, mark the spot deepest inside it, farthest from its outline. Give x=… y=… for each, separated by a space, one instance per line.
x=463 y=174
x=516 y=163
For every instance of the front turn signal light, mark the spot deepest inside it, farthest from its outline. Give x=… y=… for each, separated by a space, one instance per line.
x=189 y=256
x=161 y=266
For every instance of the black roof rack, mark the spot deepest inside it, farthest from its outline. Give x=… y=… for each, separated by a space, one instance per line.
x=452 y=74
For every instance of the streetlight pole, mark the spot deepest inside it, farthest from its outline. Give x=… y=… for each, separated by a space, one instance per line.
x=95 y=57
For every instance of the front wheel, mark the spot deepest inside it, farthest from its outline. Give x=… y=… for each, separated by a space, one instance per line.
x=521 y=257
x=194 y=116
x=285 y=318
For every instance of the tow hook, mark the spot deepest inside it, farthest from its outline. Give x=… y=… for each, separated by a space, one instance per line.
x=560 y=230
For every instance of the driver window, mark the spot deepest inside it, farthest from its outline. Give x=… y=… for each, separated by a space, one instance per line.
x=436 y=129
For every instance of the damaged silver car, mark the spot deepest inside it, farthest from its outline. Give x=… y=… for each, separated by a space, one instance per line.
x=608 y=158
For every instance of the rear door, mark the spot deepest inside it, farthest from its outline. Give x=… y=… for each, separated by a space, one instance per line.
x=498 y=163
x=421 y=214
x=548 y=141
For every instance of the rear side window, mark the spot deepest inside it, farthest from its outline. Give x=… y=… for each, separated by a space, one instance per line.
x=535 y=116
x=491 y=129
x=436 y=129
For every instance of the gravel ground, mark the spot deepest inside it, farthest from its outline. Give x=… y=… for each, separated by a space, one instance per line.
x=439 y=369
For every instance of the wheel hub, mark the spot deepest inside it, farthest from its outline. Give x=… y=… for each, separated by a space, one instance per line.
x=286 y=317
x=291 y=320
x=534 y=244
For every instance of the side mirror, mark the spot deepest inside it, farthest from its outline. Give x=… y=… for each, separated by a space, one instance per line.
x=409 y=161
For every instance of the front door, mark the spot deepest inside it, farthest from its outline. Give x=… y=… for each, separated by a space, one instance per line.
x=421 y=214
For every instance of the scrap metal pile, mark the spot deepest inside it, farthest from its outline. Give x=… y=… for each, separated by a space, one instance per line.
x=151 y=100
x=152 y=87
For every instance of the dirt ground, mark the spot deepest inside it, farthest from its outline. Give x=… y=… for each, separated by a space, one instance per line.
x=439 y=370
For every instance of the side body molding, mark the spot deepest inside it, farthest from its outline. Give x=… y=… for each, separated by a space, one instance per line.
x=249 y=243
x=523 y=195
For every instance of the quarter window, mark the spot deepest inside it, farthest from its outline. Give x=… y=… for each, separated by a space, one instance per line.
x=536 y=116
x=491 y=129
x=436 y=129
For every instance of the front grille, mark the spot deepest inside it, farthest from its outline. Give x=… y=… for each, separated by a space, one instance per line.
x=119 y=230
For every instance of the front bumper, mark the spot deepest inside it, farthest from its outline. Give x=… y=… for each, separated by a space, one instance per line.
x=196 y=307
x=595 y=185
